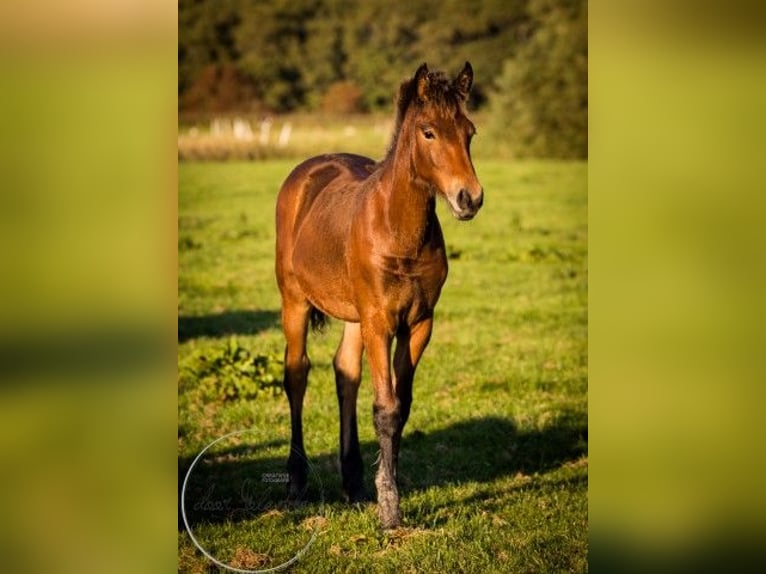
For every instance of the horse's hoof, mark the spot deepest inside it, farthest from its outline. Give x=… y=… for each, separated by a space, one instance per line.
x=390 y=517
x=296 y=492
x=391 y=522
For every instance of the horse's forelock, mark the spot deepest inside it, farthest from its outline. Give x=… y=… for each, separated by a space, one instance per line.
x=439 y=93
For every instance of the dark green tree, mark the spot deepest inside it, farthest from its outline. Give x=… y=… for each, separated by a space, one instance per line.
x=540 y=106
x=379 y=38
x=271 y=40
x=484 y=32
x=326 y=52
x=529 y=58
x=205 y=37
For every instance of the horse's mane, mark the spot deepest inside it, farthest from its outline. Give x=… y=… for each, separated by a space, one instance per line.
x=439 y=93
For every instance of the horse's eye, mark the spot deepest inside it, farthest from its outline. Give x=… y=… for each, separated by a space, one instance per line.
x=429 y=134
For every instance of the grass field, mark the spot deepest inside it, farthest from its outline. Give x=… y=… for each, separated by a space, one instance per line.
x=494 y=463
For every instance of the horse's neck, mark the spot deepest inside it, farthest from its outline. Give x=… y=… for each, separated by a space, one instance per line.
x=409 y=208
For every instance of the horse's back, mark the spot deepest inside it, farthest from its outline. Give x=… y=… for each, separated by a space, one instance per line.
x=313 y=176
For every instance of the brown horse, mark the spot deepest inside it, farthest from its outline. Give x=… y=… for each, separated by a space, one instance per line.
x=360 y=241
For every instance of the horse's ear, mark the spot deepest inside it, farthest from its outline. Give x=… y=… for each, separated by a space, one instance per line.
x=464 y=81
x=421 y=82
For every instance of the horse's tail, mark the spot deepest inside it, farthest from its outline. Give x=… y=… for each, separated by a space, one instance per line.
x=318 y=320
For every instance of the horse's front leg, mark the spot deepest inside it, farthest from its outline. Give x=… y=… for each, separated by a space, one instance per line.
x=386 y=412
x=410 y=345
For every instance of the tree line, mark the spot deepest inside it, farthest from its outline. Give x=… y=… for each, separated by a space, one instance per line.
x=348 y=56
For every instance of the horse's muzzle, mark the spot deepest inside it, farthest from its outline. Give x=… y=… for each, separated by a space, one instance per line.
x=467 y=205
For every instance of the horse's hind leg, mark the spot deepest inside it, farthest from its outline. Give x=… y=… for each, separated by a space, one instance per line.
x=295 y=319
x=348 y=374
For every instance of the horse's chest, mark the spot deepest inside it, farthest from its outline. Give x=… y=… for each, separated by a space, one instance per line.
x=413 y=286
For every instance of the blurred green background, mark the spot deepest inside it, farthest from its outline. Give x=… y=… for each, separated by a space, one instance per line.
x=247 y=61
x=87 y=284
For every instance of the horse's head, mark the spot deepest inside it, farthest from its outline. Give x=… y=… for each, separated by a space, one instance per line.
x=439 y=134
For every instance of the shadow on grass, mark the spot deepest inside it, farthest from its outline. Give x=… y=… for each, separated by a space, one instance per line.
x=231 y=485
x=226 y=323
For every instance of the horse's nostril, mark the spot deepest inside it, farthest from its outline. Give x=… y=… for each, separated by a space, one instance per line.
x=464 y=199
x=467 y=203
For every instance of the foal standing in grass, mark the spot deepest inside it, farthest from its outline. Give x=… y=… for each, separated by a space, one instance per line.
x=360 y=241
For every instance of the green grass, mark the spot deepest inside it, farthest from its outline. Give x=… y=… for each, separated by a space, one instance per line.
x=494 y=467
